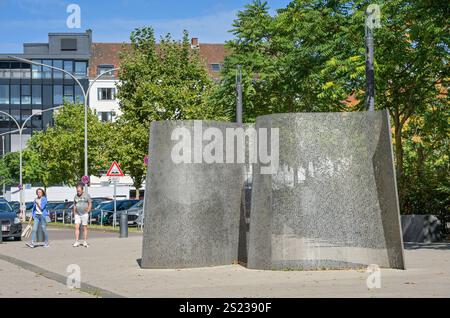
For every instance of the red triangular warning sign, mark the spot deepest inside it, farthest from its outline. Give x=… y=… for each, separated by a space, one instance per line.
x=114 y=170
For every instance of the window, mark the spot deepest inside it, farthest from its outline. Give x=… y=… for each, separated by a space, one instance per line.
x=106 y=116
x=15 y=94
x=26 y=95
x=47 y=95
x=216 y=67
x=68 y=66
x=25 y=113
x=80 y=69
x=104 y=68
x=47 y=71
x=4 y=94
x=58 y=64
x=36 y=70
x=79 y=98
x=36 y=95
x=68 y=94
x=57 y=94
x=4 y=71
x=68 y=44
x=106 y=93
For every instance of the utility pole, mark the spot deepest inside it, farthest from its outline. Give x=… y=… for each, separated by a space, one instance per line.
x=3 y=155
x=239 y=94
x=373 y=16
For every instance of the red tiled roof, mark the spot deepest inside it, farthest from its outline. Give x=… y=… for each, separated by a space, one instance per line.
x=108 y=54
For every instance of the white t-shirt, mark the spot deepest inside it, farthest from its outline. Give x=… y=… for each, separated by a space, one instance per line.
x=38 y=204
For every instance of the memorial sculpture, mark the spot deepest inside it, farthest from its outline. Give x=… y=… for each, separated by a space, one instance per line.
x=332 y=204
x=192 y=207
x=323 y=193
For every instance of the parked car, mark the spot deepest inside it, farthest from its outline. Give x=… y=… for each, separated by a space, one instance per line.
x=28 y=210
x=10 y=223
x=51 y=205
x=134 y=213
x=61 y=212
x=122 y=206
x=15 y=206
x=108 y=210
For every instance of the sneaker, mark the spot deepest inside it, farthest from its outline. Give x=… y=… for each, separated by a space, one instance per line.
x=46 y=245
x=30 y=245
x=76 y=244
x=85 y=244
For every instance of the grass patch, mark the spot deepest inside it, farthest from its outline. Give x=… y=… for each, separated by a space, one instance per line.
x=95 y=227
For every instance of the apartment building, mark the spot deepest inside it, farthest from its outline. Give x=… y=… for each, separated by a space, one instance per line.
x=27 y=90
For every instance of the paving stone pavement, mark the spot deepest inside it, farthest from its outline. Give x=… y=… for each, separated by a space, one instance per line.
x=110 y=268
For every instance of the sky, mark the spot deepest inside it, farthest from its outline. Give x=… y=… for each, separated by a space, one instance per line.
x=30 y=21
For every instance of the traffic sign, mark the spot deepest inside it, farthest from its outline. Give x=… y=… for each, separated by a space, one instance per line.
x=114 y=170
x=85 y=179
x=146 y=160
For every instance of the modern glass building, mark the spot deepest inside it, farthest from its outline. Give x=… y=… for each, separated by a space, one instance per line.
x=28 y=89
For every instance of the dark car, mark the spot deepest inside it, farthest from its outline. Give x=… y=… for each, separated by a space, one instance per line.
x=28 y=210
x=134 y=212
x=10 y=223
x=61 y=212
x=15 y=206
x=107 y=210
x=96 y=203
x=51 y=205
x=122 y=206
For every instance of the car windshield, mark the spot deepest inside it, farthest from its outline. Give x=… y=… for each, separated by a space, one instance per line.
x=60 y=206
x=139 y=204
x=97 y=203
x=5 y=207
x=15 y=205
x=109 y=206
x=127 y=204
x=51 y=205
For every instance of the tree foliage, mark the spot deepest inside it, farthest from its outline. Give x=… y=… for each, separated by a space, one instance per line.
x=310 y=56
x=165 y=81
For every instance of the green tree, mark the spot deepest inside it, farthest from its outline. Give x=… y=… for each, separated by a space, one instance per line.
x=56 y=155
x=310 y=56
x=165 y=81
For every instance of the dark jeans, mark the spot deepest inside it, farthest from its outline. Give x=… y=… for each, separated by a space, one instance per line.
x=39 y=219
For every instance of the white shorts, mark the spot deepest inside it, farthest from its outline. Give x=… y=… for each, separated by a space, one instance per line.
x=82 y=219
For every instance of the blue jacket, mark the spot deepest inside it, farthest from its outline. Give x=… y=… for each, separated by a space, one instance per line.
x=43 y=207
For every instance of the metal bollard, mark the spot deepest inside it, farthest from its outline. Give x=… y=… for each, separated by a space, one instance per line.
x=123 y=224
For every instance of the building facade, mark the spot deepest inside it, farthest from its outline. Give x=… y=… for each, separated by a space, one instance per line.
x=27 y=90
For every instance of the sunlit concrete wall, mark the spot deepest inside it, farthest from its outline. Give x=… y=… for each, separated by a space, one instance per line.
x=332 y=203
x=192 y=210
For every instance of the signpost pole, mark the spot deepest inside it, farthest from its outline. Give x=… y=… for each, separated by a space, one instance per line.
x=115 y=203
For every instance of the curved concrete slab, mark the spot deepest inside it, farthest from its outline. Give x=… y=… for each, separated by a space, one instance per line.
x=332 y=203
x=192 y=210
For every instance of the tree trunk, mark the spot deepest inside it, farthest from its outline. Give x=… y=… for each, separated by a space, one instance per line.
x=399 y=157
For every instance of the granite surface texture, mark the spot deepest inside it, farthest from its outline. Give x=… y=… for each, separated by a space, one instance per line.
x=332 y=203
x=192 y=210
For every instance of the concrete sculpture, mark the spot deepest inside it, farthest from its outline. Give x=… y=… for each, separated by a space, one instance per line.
x=192 y=208
x=333 y=202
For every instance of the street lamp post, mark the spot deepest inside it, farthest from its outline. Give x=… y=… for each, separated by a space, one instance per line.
x=85 y=96
x=239 y=94
x=20 y=129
